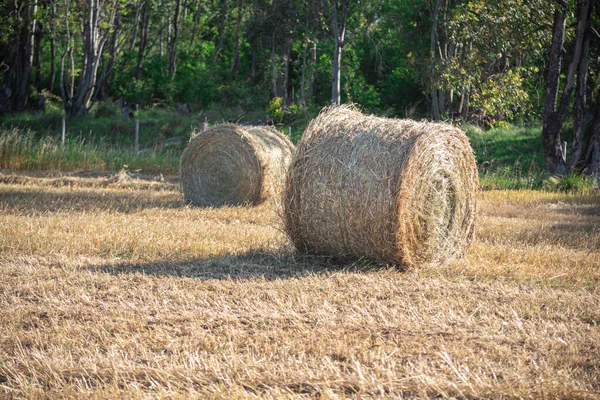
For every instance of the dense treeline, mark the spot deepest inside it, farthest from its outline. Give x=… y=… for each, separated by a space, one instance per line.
x=484 y=62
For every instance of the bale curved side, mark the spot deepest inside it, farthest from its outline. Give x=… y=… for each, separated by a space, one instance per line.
x=230 y=165
x=389 y=190
x=275 y=154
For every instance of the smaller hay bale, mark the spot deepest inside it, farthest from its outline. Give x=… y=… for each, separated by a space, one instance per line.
x=229 y=164
x=396 y=191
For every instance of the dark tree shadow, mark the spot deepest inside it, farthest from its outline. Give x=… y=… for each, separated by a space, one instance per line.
x=30 y=202
x=588 y=210
x=250 y=265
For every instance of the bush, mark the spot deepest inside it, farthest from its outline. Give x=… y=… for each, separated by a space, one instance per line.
x=105 y=109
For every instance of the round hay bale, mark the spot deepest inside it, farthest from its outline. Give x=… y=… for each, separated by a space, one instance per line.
x=390 y=190
x=233 y=165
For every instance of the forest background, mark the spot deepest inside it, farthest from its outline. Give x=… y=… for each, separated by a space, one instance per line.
x=484 y=64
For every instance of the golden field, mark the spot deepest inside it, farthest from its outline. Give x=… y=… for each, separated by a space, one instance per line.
x=111 y=287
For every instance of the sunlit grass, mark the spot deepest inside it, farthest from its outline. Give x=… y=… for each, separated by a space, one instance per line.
x=21 y=150
x=112 y=287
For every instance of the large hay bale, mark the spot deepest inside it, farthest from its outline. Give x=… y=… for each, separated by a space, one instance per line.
x=232 y=165
x=397 y=191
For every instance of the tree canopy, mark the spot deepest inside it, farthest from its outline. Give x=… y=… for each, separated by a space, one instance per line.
x=478 y=61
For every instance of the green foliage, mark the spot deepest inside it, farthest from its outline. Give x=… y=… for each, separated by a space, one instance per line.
x=501 y=98
x=106 y=109
x=573 y=182
x=283 y=115
x=276 y=109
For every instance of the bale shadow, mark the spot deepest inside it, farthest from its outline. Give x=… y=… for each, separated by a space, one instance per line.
x=31 y=202
x=586 y=210
x=250 y=265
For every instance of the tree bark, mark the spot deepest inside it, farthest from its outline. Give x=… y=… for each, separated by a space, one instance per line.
x=173 y=44
x=554 y=116
x=18 y=56
x=311 y=70
x=593 y=151
x=303 y=77
x=93 y=46
x=143 y=40
x=435 y=100
x=23 y=91
x=284 y=68
x=236 y=52
x=37 y=56
x=274 y=69
x=315 y=13
x=114 y=45
x=338 y=26
x=52 y=48
x=551 y=127
x=580 y=103
x=65 y=94
x=219 y=45
x=196 y=21
x=161 y=36
x=138 y=11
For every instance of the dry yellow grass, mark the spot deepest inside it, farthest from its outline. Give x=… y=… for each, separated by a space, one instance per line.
x=121 y=291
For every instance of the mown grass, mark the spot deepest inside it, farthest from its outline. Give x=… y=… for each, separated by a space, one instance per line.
x=112 y=287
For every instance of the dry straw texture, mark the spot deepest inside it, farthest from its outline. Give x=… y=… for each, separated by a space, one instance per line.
x=390 y=190
x=233 y=165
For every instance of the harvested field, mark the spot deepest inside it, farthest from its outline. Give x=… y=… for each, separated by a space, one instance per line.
x=117 y=290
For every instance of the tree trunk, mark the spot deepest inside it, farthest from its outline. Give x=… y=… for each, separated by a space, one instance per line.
x=339 y=31
x=435 y=100
x=114 y=44
x=580 y=104
x=236 y=52
x=52 y=49
x=554 y=117
x=161 y=36
x=315 y=20
x=593 y=152
x=253 y=63
x=195 y=28
x=311 y=70
x=138 y=11
x=18 y=57
x=93 y=46
x=284 y=68
x=221 y=35
x=66 y=95
x=29 y=54
x=37 y=57
x=551 y=127
x=173 y=45
x=303 y=77
x=274 y=70
x=336 y=73
x=143 y=40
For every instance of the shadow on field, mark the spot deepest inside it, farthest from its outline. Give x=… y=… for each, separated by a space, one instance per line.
x=31 y=202
x=588 y=210
x=270 y=266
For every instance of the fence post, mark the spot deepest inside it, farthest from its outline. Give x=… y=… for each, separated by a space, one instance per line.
x=290 y=132
x=64 y=130
x=137 y=135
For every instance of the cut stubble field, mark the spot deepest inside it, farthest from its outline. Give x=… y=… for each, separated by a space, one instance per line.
x=111 y=287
